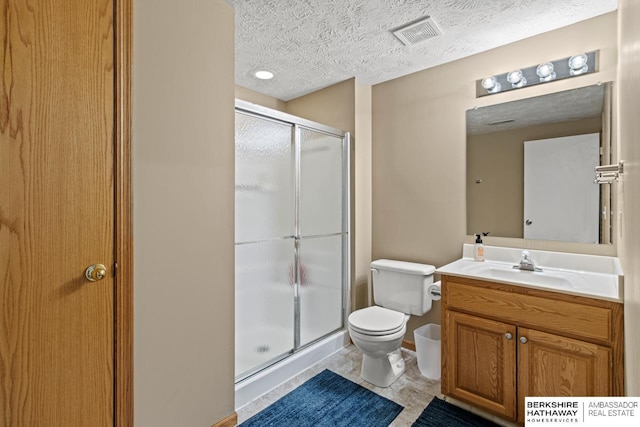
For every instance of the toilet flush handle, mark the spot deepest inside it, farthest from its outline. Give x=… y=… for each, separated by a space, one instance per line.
x=374 y=271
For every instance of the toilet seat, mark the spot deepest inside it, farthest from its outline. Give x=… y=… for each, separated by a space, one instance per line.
x=377 y=321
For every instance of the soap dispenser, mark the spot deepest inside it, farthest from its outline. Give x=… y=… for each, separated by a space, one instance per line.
x=478 y=252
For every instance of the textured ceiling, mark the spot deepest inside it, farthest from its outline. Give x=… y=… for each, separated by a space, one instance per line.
x=312 y=44
x=576 y=104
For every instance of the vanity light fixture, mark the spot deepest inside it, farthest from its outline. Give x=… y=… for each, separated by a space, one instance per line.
x=263 y=75
x=491 y=84
x=516 y=78
x=545 y=72
x=578 y=64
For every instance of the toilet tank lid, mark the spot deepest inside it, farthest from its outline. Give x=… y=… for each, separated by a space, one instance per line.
x=403 y=266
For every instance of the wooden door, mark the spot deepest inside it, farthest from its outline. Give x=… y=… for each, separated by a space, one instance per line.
x=481 y=358
x=552 y=365
x=56 y=212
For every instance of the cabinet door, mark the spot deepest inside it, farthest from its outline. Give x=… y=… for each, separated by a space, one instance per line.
x=479 y=361
x=552 y=365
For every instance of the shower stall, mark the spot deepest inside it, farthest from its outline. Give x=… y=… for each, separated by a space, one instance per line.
x=291 y=234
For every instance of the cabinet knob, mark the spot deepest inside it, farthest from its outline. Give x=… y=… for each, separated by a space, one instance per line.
x=508 y=335
x=523 y=340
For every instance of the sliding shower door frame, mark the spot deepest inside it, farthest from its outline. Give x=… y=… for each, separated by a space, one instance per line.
x=298 y=125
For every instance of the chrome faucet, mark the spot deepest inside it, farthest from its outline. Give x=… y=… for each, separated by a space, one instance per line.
x=526 y=263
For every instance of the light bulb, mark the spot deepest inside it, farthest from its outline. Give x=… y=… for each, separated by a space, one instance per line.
x=491 y=84
x=516 y=79
x=578 y=64
x=545 y=72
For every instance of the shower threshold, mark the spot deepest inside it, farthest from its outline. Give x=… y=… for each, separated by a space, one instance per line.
x=264 y=381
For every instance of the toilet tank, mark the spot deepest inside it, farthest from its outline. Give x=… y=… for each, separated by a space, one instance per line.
x=402 y=286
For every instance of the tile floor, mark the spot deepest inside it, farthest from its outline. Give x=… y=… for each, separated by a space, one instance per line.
x=411 y=390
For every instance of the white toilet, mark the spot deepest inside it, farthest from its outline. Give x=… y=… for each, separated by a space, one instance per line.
x=400 y=289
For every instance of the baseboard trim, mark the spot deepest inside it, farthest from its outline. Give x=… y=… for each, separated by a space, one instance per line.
x=230 y=421
x=409 y=345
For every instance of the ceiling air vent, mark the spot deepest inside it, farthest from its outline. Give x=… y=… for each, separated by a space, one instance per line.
x=417 y=31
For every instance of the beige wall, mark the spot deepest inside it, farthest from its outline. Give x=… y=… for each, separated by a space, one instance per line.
x=497 y=158
x=261 y=99
x=333 y=106
x=183 y=183
x=419 y=144
x=629 y=188
x=362 y=197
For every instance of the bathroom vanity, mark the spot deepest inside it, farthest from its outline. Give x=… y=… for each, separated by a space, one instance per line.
x=507 y=333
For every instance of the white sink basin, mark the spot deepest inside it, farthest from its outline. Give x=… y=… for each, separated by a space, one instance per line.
x=591 y=276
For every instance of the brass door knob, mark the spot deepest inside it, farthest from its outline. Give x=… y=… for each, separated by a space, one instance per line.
x=95 y=272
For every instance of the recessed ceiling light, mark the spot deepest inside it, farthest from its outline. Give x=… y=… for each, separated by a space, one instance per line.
x=263 y=75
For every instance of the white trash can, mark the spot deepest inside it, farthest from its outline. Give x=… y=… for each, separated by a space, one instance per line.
x=428 y=344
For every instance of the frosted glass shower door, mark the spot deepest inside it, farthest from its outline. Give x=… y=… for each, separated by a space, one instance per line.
x=322 y=231
x=265 y=244
x=264 y=303
x=292 y=240
x=320 y=290
x=265 y=177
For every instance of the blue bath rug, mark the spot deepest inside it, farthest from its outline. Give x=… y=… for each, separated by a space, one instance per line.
x=442 y=414
x=328 y=400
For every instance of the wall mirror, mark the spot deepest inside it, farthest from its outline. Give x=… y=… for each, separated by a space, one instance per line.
x=530 y=167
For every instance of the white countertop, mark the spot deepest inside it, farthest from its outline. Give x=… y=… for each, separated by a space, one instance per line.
x=591 y=276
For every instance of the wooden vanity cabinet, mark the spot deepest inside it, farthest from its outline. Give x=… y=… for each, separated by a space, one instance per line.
x=501 y=343
x=480 y=363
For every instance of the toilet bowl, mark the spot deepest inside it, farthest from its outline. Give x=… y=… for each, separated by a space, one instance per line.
x=401 y=289
x=379 y=342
